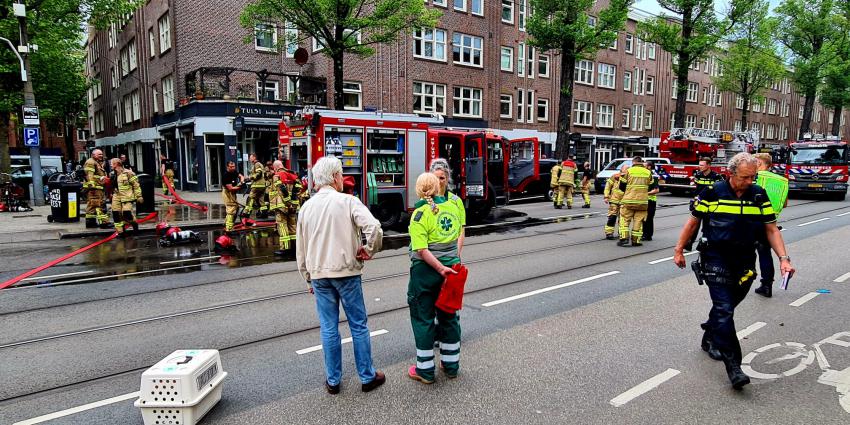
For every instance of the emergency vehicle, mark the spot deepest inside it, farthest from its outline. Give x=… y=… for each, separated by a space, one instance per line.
x=685 y=146
x=817 y=165
x=385 y=152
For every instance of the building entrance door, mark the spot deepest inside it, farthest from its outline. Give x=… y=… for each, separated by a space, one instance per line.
x=215 y=159
x=603 y=157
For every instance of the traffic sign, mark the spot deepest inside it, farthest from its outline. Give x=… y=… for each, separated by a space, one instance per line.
x=31 y=137
x=31 y=115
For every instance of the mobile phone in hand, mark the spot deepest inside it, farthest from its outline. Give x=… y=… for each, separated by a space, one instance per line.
x=785 y=278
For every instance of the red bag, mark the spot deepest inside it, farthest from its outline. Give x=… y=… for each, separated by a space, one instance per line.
x=451 y=295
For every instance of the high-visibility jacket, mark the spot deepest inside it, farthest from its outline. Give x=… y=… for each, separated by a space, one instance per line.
x=258 y=176
x=652 y=185
x=730 y=221
x=556 y=174
x=612 y=191
x=635 y=185
x=776 y=187
x=280 y=194
x=94 y=171
x=568 y=173
x=436 y=231
x=127 y=187
x=703 y=181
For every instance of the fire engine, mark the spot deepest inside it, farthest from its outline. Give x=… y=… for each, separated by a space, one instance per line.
x=685 y=146
x=385 y=152
x=817 y=165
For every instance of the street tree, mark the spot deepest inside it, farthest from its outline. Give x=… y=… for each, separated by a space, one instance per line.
x=689 y=35
x=751 y=63
x=341 y=26
x=567 y=27
x=835 y=92
x=811 y=31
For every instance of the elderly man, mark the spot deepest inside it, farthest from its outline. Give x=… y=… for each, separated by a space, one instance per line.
x=735 y=216
x=330 y=257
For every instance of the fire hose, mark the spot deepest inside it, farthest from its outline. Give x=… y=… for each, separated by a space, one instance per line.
x=43 y=267
x=180 y=200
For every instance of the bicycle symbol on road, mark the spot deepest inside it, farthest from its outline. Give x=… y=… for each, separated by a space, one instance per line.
x=840 y=379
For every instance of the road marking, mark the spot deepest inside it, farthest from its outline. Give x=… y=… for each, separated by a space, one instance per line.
x=661 y=260
x=842 y=278
x=344 y=341
x=643 y=387
x=190 y=259
x=843 y=214
x=547 y=289
x=804 y=299
x=813 y=222
x=78 y=409
x=743 y=333
x=56 y=275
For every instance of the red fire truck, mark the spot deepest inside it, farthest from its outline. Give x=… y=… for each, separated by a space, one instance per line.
x=385 y=152
x=817 y=165
x=685 y=146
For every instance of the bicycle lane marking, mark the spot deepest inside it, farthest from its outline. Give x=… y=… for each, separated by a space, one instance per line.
x=842 y=278
x=743 y=333
x=799 y=351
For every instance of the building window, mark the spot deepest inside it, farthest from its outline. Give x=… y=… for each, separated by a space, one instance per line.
x=647 y=121
x=521 y=14
x=113 y=75
x=128 y=109
x=693 y=88
x=164 y=33
x=131 y=52
x=154 y=100
x=584 y=72
x=460 y=5
x=771 y=131
x=800 y=115
x=630 y=43
x=320 y=44
x=651 y=50
x=756 y=107
x=352 y=96
x=605 y=116
x=430 y=43
x=613 y=45
x=168 y=94
x=773 y=106
x=543 y=110
x=650 y=85
x=290 y=37
x=737 y=125
x=508 y=11
x=125 y=62
x=543 y=66
x=675 y=94
x=529 y=105
x=607 y=76
x=507 y=59
x=439 y=3
x=467 y=49
x=739 y=101
x=627 y=80
x=690 y=121
x=477 y=7
x=271 y=93
x=137 y=105
x=530 y=68
x=702 y=122
x=506 y=105
x=116 y=115
x=520 y=61
x=467 y=102
x=583 y=113
x=265 y=37
x=625 y=114
x=429 y=98
x=152 y=42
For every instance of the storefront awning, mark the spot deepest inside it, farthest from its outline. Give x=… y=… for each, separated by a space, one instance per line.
x=144 y=135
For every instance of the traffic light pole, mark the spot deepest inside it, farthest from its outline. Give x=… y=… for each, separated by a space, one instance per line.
x=29 y=100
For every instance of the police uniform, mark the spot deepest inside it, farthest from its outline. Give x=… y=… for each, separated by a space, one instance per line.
x=553 y=183
x=587 y=179
x=168 y=165
x=731 y=228
x=613 y=195
x=566 y=184
x=127 y=193
x=95 y=208
x=229 y=198
x=258 y=189
x=703 y=181
x=438 y=232
x=635 y=184
x=649 y=224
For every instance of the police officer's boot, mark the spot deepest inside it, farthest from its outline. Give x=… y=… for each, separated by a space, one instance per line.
x=736 y=376
x=708 y=347
x=765 y=290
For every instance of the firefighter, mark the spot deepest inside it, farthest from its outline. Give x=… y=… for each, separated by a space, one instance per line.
x=553 y=184
x=166 y=170
x=434 y=230
x=635 y=184
x=613 y=195
x=125 y=196
x=95 y=180
x=231 y=183
x=586 y=180
x=280 y=204
x=258 y=187
x=270 y=171
x=566 y=183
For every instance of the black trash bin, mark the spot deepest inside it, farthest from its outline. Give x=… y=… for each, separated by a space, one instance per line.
x=64 y=197
x=147 y=185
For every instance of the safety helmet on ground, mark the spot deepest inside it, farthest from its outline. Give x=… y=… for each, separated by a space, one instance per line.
x=224 y=243
x=161 y=228
x=171 y=231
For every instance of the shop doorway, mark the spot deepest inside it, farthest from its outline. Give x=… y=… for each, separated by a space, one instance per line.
x=602 y=158
x=215 y=160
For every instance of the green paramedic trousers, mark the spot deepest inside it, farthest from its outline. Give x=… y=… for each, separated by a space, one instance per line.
x=422 y=292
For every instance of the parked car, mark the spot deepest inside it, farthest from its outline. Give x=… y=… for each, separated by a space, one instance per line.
x=22 y=177
x=614 y=166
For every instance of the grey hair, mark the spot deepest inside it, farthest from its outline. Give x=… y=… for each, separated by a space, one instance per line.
x=324 y=170
x=740 y=159
x=441 y=164
x=277 y=164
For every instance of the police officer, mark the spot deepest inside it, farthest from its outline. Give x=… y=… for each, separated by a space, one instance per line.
x=125 y=196
x=612 y=196
x=94 y=186
x=566 y=183
x=166 y=171
x=231 y=183
x=258 y=187
x=703 y=178
x=553 y=184
x=776 y=187
x=586 y=180
x=736 y=214
x=635 y=184
x=649 y=224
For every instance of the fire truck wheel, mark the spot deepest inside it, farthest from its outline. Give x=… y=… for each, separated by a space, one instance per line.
x=388 y=213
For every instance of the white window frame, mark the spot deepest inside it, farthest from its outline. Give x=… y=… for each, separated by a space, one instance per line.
x=737 y=125
x=355 y=88
x=265 y=28
x=441 y=3
x=164 y=24
x=520 y=61
x=460 y=9
x=625 y=114
x=132 y=53
x=627 y=80
x=692 y=94
x=472 y=10
x=271 y=86
x=650 y=85
x=544 y=103
x=651 y=51
x=152 y=42
x=507 y=4
x=510 y=56
x=530 y=112
x=529 y=67
x=422 y=95
x=582 y=69
x=541 y=59
x=346 y=32
x=583 y=113
x=613 y=45
x=647 y=120
x=605 y=115
x=690 y=121
x=127 y=103
x=290 y=37
x=607 y=77
x=167 y=85
x=510 y=103
x=630 y=44
x=422 y=38
x=137 y=105
x=470 y=48
x=521 y=14
x=125 y=62
x=675 y=94
x=154 y=100
x=520 y=106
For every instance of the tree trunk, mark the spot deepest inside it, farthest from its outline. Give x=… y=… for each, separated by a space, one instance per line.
x=745 y=113
x=808 y=107
x=5 y=160
x=69 y=139
x=339 y=99
x=565 y=102
x=836 y=121
x=682 y=69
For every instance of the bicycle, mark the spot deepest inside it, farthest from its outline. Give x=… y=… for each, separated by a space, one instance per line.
x=11 y=195
x=840 y=379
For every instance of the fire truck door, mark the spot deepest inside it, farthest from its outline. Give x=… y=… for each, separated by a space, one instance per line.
x=523 y=163
x=474 y=165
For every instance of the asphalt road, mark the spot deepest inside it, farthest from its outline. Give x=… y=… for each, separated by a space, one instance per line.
x=559 y=326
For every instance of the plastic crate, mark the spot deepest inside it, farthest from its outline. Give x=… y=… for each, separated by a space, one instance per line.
x=181 y=388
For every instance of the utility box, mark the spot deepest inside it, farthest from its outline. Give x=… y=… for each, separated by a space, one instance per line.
x=181 y=388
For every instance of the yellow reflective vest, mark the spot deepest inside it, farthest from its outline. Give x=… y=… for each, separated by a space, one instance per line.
x=612 y=190
x=635 y=184
x=94 y=171
x=258 y=176
x=127 y=188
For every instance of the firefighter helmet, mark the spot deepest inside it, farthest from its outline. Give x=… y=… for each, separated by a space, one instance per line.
x=171 y=231
x=224 y=243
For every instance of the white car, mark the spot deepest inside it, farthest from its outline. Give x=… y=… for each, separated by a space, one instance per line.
x=614 y=167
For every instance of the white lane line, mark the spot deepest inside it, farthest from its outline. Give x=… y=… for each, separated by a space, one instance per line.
x=344 y=341
x=813 y=222
x=743 y=333
x=547 y=289
x=190 y=259
x=661 y=260
x=843 y=214
x=783 y=229
x=56 y=275
x=643 y=387
x=804 y=299
x=78 y=409
x=842 y=278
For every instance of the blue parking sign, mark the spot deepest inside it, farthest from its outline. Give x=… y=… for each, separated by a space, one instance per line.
x=31 y=137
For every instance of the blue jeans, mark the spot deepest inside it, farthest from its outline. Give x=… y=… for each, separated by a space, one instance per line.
x=329 y=293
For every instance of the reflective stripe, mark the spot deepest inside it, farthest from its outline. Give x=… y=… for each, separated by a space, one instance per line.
x=425 y=365
x=449 y=347
x=424 y=353
x=452 y=358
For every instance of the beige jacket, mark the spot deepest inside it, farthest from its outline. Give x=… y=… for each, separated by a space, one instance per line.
x=328 y=235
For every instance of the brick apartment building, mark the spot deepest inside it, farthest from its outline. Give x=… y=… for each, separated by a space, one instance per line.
x=173 y=77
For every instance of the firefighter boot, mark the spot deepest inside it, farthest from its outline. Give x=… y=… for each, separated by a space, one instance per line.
x=623 y=242
x=636 y=241
x=610 y=236
x=91 y=223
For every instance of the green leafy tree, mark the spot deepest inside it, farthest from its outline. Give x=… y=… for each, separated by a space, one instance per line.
x=812 y=32
x=751 y=63
x=835 y=92
x=690 y=35
x=563 y=26
x=342 y=26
